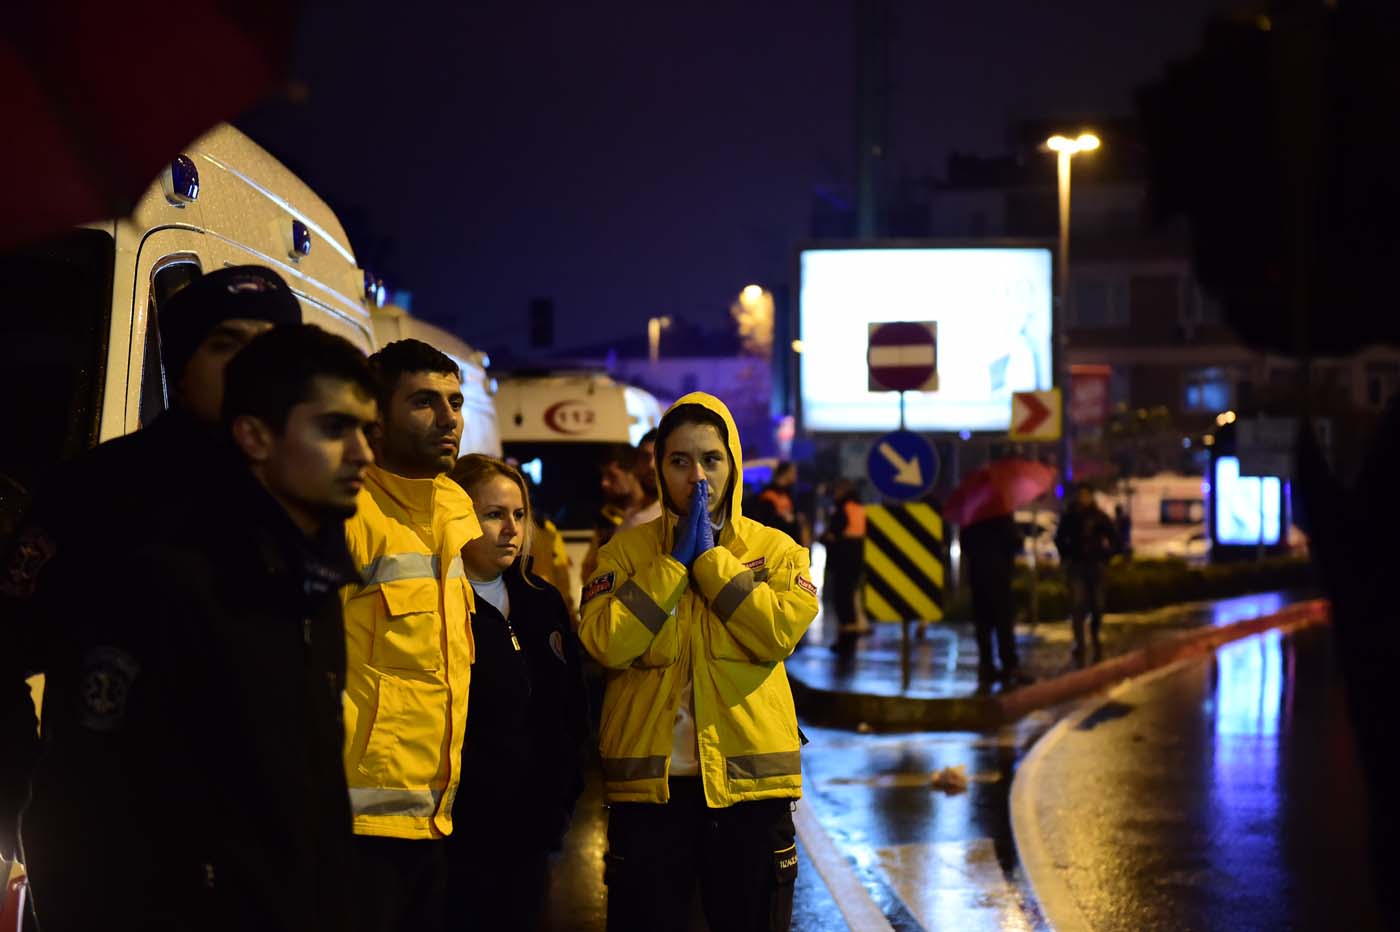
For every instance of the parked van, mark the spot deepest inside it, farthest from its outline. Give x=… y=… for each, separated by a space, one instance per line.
x=559 y=425
x=480 y=431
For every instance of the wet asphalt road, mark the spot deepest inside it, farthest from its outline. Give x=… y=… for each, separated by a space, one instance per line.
x=1223 y=795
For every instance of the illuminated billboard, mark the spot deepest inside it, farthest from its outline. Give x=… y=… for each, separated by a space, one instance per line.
x=1246 y=507
x=993 y=310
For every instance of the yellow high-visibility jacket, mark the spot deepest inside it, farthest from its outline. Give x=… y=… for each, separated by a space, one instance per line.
x=409 y=651
x=728 y=625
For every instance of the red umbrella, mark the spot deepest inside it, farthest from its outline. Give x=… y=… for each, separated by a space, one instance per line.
x=997 y=489
x=100 y=96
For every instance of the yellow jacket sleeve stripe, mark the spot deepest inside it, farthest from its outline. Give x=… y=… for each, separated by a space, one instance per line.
x=766 y=618
x=618 y=625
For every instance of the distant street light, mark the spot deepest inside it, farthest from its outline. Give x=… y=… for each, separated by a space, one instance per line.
x=1066 y=149
x=654 y=327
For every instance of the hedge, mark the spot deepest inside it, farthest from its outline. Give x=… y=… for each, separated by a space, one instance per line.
x=1142 y=585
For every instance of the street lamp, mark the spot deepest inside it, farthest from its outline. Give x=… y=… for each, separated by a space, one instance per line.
x=1066 y=149
x=654 y=327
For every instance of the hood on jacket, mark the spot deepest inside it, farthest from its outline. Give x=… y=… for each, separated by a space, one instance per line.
x=736 y=457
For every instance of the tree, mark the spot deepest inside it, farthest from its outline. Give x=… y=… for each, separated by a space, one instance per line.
x=1274 y=142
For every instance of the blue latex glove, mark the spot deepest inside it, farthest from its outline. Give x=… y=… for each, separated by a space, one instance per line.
x=687 y=530
x=705 y=532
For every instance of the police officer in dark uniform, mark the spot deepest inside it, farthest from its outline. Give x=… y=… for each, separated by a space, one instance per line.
x=124 y=493
x=191 y=775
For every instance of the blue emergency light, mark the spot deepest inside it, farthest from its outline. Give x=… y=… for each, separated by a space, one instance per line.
x=182 y=182
x=301 y=239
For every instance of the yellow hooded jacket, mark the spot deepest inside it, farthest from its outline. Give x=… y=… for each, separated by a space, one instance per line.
x=409 y=651
x=727 y=625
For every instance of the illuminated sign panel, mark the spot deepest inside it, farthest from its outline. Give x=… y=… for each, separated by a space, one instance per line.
x=1240 y=516
x=993 y=311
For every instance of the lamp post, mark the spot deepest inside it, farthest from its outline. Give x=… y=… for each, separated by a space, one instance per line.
x=1065 y=150
x=654 y=327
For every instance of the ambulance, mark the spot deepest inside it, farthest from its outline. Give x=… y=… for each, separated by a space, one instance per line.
x=81 y=355
x=559 y=425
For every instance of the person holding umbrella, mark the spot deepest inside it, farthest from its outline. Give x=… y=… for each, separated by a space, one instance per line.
x=983 y=506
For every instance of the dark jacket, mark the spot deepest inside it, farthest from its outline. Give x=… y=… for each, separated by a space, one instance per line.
x=774 y=507
x=191 y=774
x=527 y=723
x=115 y=499
x=1086 y=537
x=990 y=547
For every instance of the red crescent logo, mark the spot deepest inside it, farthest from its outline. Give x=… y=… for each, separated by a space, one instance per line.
x=569 y=417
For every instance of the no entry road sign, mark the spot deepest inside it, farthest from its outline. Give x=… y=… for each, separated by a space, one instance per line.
x=903 y=356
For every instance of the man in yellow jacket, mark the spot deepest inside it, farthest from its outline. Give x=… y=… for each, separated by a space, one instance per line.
x=693 y=614
x=408 y=641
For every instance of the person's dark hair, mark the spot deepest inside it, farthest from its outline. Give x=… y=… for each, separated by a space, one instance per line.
x=692 y=414
x=648 y=436
x=617 y=454
x=783 y=467
x=402 y=357
x=275 y=372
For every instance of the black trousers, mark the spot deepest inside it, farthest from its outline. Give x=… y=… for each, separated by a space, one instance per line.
x=1086 y=596
x=993 y=617
x=400 y=884
x=743 y=857
x=496 y=880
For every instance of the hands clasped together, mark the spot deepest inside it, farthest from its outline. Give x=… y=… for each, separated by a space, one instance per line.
x=694 y=533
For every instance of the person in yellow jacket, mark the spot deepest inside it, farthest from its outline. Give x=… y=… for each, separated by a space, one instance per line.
x=693 y=614
x=409 y=642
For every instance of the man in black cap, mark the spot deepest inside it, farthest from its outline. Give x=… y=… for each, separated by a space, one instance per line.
x=123 y=494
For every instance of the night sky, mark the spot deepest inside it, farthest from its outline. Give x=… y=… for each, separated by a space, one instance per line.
x=631 y=159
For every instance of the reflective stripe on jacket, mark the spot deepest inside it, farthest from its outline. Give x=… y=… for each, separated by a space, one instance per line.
x=727 y=625
x=409 y=650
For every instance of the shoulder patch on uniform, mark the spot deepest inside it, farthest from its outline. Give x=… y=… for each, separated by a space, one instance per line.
x=32 y=552
x=108 y=674
x=556 y=644
x=807 y=585
x=756 y=564
x=599 y=585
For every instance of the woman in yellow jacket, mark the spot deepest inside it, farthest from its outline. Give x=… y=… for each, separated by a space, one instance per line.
x=692 y=615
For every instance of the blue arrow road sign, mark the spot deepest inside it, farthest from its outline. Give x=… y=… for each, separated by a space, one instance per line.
x=902 y=465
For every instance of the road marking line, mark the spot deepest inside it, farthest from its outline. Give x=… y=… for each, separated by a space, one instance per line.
x=858 y=909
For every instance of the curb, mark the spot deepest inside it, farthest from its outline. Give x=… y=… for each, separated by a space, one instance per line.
x=831 y=709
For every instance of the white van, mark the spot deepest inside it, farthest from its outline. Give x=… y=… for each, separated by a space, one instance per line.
x=559 y=425
x=480 y=431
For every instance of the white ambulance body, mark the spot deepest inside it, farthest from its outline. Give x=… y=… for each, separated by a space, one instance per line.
x=480 y=431
x=79 y=342
x=559 y=425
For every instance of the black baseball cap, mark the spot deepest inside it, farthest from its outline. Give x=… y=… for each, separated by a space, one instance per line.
x=246 y=292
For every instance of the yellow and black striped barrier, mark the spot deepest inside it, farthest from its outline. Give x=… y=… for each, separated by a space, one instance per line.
x=903 y=563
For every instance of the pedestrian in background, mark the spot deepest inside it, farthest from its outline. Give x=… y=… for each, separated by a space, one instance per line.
x=1123 y=525
x=990 y=547
x=693 y=616
x=192 y=771
x=775 y=507
x=126 y=493
x=409 y=642
x=845 y=560
x=648 y=506
x=1087 y=540
x=528 y=728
